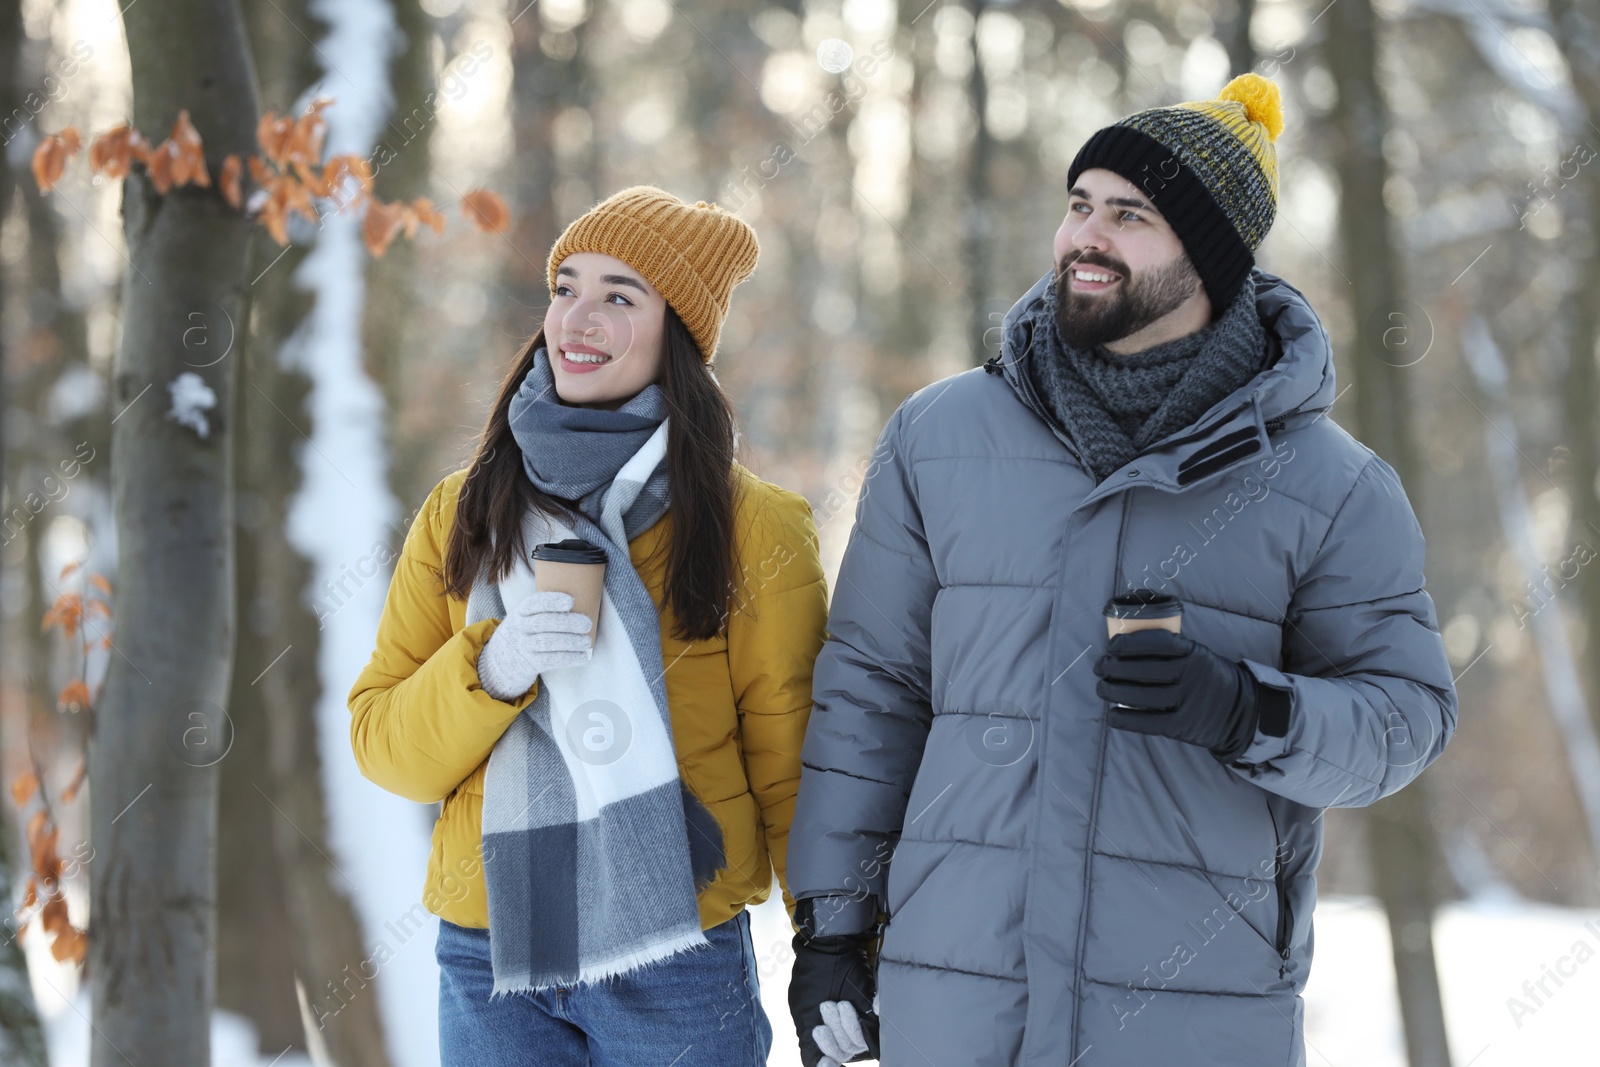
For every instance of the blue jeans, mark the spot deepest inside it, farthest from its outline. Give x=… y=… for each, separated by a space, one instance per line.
x=698 y=1008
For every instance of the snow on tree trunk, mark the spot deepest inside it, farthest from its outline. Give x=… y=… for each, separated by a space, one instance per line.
x=343 y=511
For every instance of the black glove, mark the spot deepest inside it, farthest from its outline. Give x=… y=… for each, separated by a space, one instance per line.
x=831 y=967
x=1181 y=689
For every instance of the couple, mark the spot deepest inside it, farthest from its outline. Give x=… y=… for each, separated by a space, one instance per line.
x=984 y=861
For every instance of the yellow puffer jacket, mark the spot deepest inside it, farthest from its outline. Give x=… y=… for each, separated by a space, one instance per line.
x=423 y=727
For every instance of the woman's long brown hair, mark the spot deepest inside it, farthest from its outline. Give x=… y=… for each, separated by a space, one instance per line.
x=700 y=451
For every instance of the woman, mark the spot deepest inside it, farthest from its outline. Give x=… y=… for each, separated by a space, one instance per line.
x=588 y=851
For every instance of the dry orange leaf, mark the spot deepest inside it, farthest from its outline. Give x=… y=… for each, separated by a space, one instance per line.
x=229 y=181
x=70 y=569
x=99 y=581
x=273 y=134
x=260 y=172
x=180 y=159
x=285 y=140
x=275 y=219
x=486 y=210
x=70 y=944
x=54 y=913
x=427 y=214
x=74 y=696
x=190 y=165
x=160 y=165
x=70 y=793
x=30 y=895
x=285 y=195
x=380 y=225
x=113 y=153
x=66 y=612
x=24 y=787
x=337 y=169
x=305 y=140
x=50 y=158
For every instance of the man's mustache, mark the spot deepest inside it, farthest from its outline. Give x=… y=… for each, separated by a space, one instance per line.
x=1092 y=261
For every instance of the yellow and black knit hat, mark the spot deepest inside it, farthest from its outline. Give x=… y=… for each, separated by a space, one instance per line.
x=694 y=254
x=1210 y=168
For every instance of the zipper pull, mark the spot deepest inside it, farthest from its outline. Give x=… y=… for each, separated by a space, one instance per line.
x=992 y=365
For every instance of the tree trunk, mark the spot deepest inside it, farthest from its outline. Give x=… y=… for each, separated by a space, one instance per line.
x=975 y=237
x=328 y=937
x=393 y=344
x=1577 y=32
x=278 y=788
x=21 y=1038
x=1404 y=848
x=162 y=728
x=1563 y=684
x=256 y=963
x=926 y=327
x=55 y=333
x=1233 y=30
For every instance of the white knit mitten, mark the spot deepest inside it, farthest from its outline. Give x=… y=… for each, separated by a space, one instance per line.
x=540 y=634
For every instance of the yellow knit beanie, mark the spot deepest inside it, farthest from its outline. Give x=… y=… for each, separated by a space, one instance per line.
x=694 y=255
x=1211 y=167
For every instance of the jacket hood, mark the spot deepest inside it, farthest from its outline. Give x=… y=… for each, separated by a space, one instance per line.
x=1296 y=386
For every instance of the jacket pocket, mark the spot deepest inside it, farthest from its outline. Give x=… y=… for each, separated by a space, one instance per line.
x=1281 y=883
x=1285 y=917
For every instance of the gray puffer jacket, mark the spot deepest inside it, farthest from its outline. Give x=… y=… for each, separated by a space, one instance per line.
x=1059 y=892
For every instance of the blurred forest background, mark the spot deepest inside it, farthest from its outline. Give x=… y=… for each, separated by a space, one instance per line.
x=904 y=166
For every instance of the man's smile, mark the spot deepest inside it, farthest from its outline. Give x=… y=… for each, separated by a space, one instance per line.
x=1092 y=279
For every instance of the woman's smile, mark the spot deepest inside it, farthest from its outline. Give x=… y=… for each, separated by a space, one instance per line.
x=581 y=359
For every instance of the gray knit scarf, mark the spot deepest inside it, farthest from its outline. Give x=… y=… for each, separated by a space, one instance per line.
x=1114 y=407
x=594 y=850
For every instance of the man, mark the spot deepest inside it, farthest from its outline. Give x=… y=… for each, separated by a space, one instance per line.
x=1064 y=881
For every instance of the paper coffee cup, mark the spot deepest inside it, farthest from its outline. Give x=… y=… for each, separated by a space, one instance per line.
x=576 y=567
x=1143 y=609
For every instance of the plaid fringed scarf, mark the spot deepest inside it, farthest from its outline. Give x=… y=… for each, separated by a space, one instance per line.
x=594 y=850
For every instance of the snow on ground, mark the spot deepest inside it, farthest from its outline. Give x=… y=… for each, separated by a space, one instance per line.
x=1520 y=983
x=233 y=1039
x=1485 y=951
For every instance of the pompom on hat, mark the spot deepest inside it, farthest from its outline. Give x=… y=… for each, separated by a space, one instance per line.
x=694 y=254
x=1211 y=169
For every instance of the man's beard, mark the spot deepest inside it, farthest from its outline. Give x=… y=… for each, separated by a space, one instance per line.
x=1086 y=320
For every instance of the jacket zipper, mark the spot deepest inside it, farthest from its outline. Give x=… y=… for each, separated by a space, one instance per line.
x=1122 y=529
x=1094 y=809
